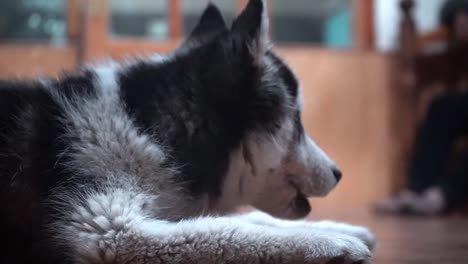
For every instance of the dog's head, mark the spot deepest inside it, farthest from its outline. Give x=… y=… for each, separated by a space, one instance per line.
x=276 y=165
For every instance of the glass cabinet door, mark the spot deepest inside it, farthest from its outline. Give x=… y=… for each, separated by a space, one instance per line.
x=36 y=37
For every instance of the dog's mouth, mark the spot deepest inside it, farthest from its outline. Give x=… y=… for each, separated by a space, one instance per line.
x=300 y=203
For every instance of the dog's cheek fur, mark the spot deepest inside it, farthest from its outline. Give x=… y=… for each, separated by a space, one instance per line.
x=261 y=155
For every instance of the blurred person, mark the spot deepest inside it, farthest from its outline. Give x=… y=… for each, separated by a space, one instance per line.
x=433 y=187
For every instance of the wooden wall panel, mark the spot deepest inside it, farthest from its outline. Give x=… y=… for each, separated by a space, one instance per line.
x=26 y=61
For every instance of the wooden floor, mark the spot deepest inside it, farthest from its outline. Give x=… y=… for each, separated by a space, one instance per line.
x=405 y=240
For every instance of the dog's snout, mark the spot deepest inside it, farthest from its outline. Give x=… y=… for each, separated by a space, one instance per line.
x=337 y=173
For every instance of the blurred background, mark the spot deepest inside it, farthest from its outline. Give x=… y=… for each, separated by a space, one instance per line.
x=349 y=54
x=370 y=71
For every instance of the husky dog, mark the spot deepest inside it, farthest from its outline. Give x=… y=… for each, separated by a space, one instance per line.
x=146 y=161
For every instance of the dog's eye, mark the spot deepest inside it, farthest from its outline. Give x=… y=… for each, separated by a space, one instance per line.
x=298 y=128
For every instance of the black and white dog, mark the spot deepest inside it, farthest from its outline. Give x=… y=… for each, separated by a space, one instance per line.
x=142 y=161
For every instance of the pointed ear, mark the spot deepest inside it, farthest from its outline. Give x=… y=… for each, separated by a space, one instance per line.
x=252 y=25
x=211 y=22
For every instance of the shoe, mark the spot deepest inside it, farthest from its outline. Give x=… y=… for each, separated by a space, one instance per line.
x=396 y=205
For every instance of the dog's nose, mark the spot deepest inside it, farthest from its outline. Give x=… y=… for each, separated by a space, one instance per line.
x=337 y=173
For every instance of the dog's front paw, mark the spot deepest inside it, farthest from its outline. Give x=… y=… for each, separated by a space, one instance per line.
x=356 y=231
x=362 y=233
x=332 y=247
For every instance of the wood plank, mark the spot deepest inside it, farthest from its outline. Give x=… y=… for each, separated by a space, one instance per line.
x=363 y=24
x=175 y=19
x=95 y=29
x=74 y=22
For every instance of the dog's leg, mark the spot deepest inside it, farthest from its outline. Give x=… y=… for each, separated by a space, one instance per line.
x=113 y=228
x=360 y=232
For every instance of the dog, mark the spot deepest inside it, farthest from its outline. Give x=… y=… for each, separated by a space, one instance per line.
x=147 y=160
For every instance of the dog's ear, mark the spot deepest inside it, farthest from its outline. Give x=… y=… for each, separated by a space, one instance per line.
x=252 y=26
x=211 y=22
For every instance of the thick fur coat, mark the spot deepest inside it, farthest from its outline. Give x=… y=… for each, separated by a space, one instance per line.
x=145 y=161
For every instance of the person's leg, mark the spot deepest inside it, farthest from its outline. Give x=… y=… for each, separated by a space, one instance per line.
x=446 y=121
x=455 y=185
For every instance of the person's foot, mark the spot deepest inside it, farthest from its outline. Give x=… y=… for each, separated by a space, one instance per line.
x=430 y=202
x=399 y=204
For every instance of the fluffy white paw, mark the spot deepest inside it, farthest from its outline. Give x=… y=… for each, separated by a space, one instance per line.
x=332 y=247
x=356 y=231
x=364 y=234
